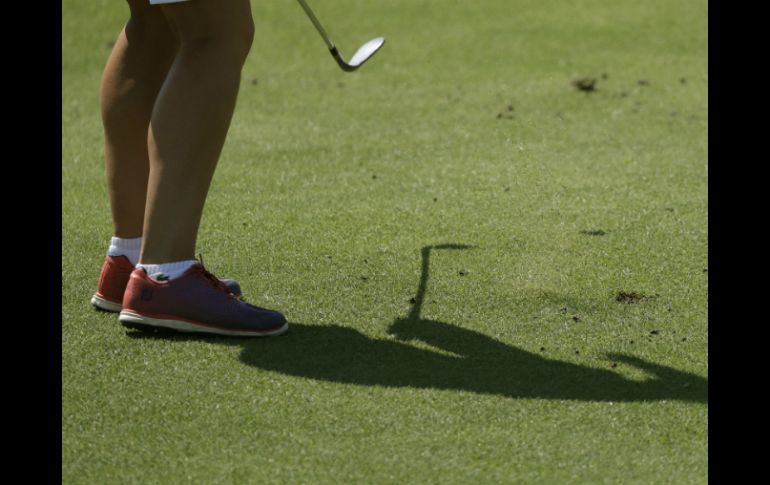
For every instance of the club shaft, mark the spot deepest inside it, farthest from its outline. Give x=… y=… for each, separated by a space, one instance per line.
x=317 y=24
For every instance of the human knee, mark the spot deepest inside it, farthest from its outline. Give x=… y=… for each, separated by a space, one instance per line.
x=232 y=43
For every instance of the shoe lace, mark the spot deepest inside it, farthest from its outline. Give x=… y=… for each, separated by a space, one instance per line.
x=215 y=282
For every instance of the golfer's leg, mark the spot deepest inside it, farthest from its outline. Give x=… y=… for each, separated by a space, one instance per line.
x=190 y=121
x=132 y=78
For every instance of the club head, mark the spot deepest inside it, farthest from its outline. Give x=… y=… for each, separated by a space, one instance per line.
x=362 y=54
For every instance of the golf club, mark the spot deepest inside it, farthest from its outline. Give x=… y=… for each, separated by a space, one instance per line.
x=362 y=54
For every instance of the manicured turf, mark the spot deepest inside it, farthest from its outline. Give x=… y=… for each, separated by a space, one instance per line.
x=343 y=199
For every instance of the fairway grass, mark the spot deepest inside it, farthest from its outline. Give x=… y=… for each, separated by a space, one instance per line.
x=448 y=230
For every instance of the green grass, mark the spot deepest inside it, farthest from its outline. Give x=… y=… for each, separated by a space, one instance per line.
x=330 y=186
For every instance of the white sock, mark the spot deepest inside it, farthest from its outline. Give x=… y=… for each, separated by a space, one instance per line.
x=129 y=248
x=169 y=271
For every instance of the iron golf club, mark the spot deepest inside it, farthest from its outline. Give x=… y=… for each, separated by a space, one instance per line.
x=362 y=54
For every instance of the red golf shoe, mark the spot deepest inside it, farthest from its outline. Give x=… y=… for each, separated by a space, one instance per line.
x=196 y=301
x=114 y=278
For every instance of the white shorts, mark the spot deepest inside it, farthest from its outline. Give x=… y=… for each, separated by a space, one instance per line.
x=158 y=2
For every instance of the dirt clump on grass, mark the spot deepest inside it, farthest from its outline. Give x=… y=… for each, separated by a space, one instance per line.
x=507 y=113
x=587 y=85
x=630 y=297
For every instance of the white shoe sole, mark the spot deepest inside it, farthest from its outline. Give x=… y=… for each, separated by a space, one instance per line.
x=130 y=318
x=105 y=305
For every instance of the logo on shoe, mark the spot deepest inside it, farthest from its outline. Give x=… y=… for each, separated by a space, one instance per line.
x=146 y=294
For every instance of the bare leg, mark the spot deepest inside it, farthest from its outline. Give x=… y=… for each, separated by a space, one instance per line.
x=190 y=121
x=135 y=71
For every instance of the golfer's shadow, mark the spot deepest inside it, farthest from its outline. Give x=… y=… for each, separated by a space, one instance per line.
x=468 y=361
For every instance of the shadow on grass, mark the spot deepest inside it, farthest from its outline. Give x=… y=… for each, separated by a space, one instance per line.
x=471 y=361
